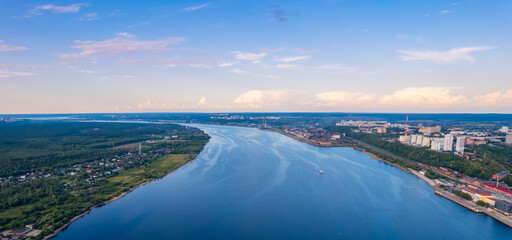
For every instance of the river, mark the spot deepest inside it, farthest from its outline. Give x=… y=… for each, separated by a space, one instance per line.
x=253 y=184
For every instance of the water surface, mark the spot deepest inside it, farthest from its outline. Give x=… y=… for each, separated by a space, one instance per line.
x=252 y=184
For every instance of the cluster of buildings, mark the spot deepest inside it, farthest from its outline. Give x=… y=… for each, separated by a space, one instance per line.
x=378 y=127
x=22 y=233
x=494 y=192
x=432 y=137
x=94 y=170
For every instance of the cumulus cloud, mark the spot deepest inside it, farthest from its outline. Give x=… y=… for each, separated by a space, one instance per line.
x=343 y=98
x=73 y=8
x=8 y=74
x=450 y=56
x=8 y=48
x=430 y=97
x=254 y=57
x=261 y=98
x=119 y=46
x=196 y=7
x=292 y=58
x=497 y=99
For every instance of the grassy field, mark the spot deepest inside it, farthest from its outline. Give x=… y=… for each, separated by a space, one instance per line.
x=156 y=169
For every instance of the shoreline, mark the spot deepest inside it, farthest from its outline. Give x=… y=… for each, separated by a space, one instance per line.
x=437 y=190
x=63 y=227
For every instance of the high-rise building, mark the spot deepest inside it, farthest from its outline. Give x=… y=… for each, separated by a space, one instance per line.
x=425 y=142
x=419 y=140
x=508 y=139
x=405 y=139
x=448 y=142
x=504 y=129
x=414 y=138
x=459 y=145
x=437 y=144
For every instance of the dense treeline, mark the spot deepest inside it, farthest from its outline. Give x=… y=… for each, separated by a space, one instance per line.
x=481 y=169
x=52 y=202
x=28 y=146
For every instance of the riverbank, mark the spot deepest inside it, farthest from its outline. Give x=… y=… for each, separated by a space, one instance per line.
x=166 y=165
x=506 y=220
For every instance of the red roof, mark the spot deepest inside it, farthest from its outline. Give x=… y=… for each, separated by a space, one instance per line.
x=498 y=188
x=477 y=191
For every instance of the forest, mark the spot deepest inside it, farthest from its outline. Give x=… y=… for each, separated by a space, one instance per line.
x=33 y=146
x=28 y=146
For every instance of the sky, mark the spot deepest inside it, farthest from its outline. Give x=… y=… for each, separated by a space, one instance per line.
x=255 y=56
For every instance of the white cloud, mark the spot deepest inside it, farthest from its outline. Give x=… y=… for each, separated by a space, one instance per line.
x=449 y=56
x=495 y=99
x=196 y=7
x=263 y=98
x=86 y=71
x=336 y=68
x=125 y=34
x=73 y=8
x=239 y=71
x=445 y=12
x=202 y=102
x=254 y=57
x=266 y=76
x=11 y=66
x=7 y=48
x=292 y=58
x=226 y=64
x=343 y=98
x=90 y=17
x=8 y=74
x=428 y=97
x=119 y=46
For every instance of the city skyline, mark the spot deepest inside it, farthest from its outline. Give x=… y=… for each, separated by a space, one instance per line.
x=226 y=56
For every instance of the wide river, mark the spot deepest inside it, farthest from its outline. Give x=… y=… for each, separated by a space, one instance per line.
x=253 y=184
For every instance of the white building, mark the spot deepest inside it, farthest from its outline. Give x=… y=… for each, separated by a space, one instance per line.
x=448 y=142
x=437 y=144
x=413 y=139
x=504 y=129
x=508 y=139
x=405 y=139
x=459 y=145
x=425 y=142
x=419 y=140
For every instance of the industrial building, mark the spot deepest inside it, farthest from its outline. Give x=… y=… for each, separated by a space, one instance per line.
x=503 y=205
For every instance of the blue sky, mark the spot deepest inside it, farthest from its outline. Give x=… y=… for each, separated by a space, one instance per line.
x=211 y=56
